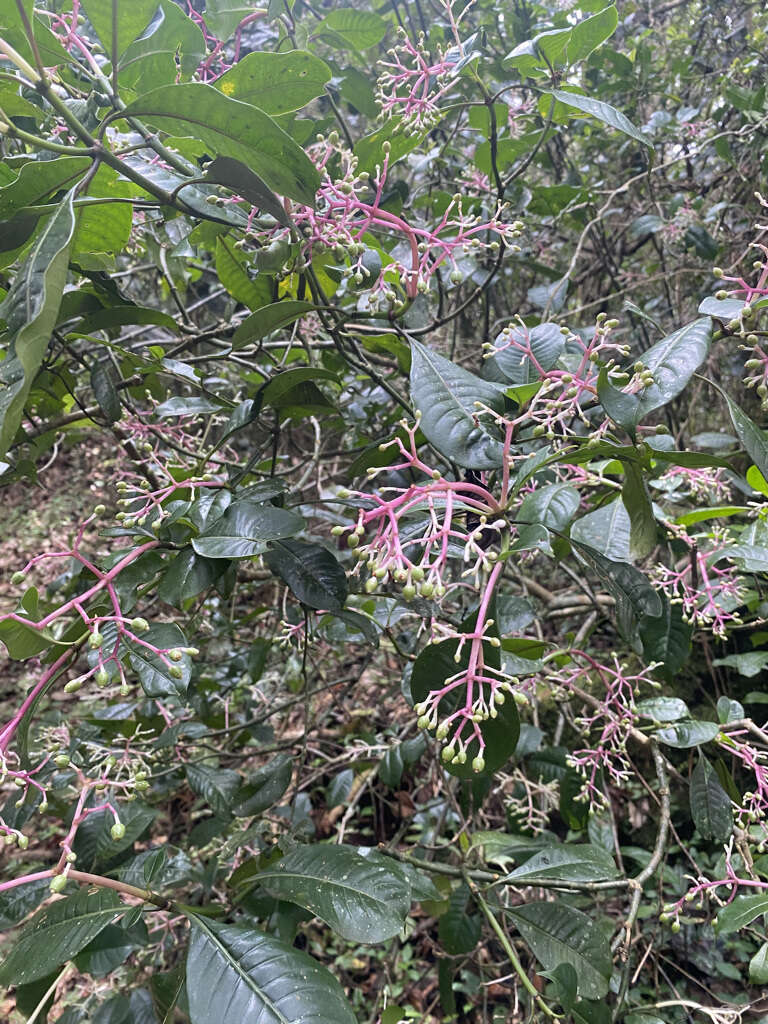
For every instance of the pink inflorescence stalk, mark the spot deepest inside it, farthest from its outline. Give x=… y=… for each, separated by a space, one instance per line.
x=612 y=719
x=707 y=587
x=408 y=535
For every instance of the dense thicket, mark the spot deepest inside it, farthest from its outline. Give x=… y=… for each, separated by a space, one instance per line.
x=409 y=359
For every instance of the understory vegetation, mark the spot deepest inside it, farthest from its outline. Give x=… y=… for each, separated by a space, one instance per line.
x=384 y=489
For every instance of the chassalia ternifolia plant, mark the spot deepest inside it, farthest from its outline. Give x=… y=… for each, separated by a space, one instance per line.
x=452 y=662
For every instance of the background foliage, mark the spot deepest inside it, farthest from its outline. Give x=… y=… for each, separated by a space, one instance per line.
x=407 y=660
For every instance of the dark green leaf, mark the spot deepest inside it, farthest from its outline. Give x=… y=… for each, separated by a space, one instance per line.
x=688 y=734
x=189 y=574
x=217 y=786
x=239 y=974
x=153 y=672
x=663 y=709
x=710 y=804
x=587 y=35
x=634 y=595
x=560 y=934
x=245 y=529
x=270 y=318
x=57 y=934
x=602 y=112
x=362 y=901
x=753 y=439
x=132 y=17
x=458 y=930
x=265 y=787
x=447 y=395
x=741 y=912
x=578 y=862
x=352 y=29
x=30 y=310
x=545 y=342
x=244 y=183
x=311 y=571
x=231 y=128
x=637 y=502
x=606 y=530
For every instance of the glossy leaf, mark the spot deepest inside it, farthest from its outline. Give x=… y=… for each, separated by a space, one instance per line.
x=362 y=901
x=154 y=670
x=118 y=23
x=578 y=862
x=311 y=571
x=710 y=804
x=446 y=395
x=30 y=310
x=607 y=530
x=558 y=933
x=741 y=912
x=57 y=934
x=590 y=33
x=666 y=639
x=276 y=82
x=231 y=128
x=602 y=112
x=753 y=439
x=352 y=29
x=635 y=598
x=688 y=734
x=239 y=974
x=546 y=343
x=270 y=318
x=245 y=530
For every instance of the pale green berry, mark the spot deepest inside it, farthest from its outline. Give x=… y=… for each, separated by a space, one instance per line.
x=117 y=831
x=58 y=883
x=61 y=760
x=139 y=625
x=95 y=640
x=448 y=754
x=18 y=577
x=102 y=676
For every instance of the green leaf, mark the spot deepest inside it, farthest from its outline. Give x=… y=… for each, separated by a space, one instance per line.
x=253 y=292
x=279 y=387
x=311 y=571
x=222 y=17
x=151 y=59
x=132 y=16
x=741 y=912
x=458 y=930
x=16 y=903
x=270 y=318
x=602 y=112
x=351 y=29
x=245 y=529
x=241 y=180
x=753 y=439
x=635 y=598
x=553 y=506
x=667 y=639
x=721 y=309
x=545 y=342
x=758 y=966
x=217 y=786
x=606 y=530
x=105 y=391
x=748 y=664
x=189 y=575
x=578 y=862
x=23 y=642
x=239 y=974
x=153 y=672
x=662 y=709
x=276 y=82
x=37 y=179
x=265 y=787
x=688 y=734
x=637 y=502
x=710 y=804
x=590 y=33
x=30 y=310
x=560 y=934
x=231 y=128
x=446 y=395
x=57 y=934
x=361 y=900
x=673 y=361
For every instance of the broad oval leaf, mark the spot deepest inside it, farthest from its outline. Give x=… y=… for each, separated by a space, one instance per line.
x=579 y=862
x=239 y=974
x=131 y=19
x=603 y=112
x=57 y=934
x=545 y=342
x=667 y=639
x=245 y=529
x=688 y=734
x=662 y=709
x=361 y=900
x=673 y=361
x=560 y=934
x=311 y=571
x=753 y=439
x=352 y=29
x=153 y=671
x=606 y=530
x=231 y=128
x=446 y=395
x=710 y=804
x=741 y=912
x=634 y=595
x=276 y=82
x=553 y=506
x=270 y=318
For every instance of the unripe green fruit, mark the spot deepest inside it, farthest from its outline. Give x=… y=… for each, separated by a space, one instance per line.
x=423 y=722
x=117 y=831
x=448 y=754
x=409 y=592
x=102 y=677
x=427 y=589
x=353 y=540
x=176 y=672
x=141 y=785
x=73 y=686
x=61 y=760
x=71 y=857
x=23 y=842
x=95 y=640
x=175 y=654
x=371 y=585
x=17 y=578
x=478 y=764
x=58 y=883
x=139 y=625
x=99 y=510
